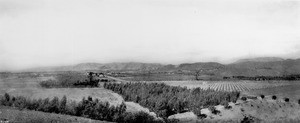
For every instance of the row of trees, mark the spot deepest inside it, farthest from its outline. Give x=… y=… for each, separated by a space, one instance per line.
x=262 y=78
x=89 y=108
x=167 y=100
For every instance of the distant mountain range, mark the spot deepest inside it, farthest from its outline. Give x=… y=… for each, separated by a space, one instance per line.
x=262 y=66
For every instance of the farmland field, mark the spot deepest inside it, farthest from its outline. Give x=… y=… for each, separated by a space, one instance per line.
x=229 y=85
x=279 y=88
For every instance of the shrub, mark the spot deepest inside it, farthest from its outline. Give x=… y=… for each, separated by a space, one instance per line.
x=244 y=98
x=286 y=99
x=6 y=101
x=274 y=97
x=299 y=101
x=214 y=110
x=247 y=120
x=227 y=107
x=199 y=114
x=262 y=96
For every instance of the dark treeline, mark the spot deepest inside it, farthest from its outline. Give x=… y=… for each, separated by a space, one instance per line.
x=71 y=79
x=89 y=108
x=262 y=78
x=167 y=100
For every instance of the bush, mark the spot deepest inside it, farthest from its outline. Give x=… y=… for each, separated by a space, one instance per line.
x=89 y=108
x=262 y=96
x=244 y=98
x=199 y=114
x=227 y=107
x=247 y=120
x=274 y=97
x=214 y=110
x=286 y=99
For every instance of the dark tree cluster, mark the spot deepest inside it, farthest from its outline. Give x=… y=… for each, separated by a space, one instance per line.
x=167 y=100
x=264 y=78
x=71 y=80
x=89 y=108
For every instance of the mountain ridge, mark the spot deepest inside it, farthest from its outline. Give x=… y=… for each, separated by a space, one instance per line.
x=261 y=66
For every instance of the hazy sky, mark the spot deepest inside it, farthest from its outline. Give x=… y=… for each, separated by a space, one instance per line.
x=61 y=32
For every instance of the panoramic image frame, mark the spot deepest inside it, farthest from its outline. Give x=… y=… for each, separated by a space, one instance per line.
x=149 y=61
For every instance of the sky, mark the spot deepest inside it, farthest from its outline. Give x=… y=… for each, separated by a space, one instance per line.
x=65 y=32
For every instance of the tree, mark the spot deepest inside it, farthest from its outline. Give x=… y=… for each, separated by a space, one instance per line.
x=197 y=74
x=45 y=104
x=54 y=105
x=6 y=101
x=63 y=104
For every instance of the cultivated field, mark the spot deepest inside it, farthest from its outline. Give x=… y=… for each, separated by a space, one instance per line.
x=229 y=85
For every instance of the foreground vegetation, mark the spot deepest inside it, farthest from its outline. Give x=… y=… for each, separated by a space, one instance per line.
x=167 y=100
x=14 y=115
x=88 y=108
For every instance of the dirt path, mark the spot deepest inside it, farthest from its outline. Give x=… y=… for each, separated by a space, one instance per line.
x=117 y=79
